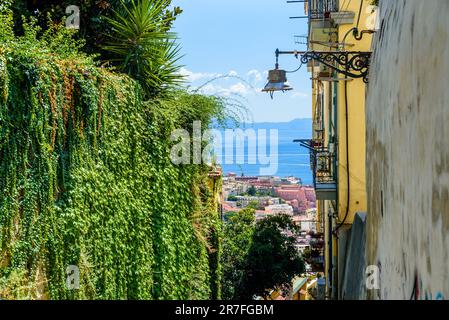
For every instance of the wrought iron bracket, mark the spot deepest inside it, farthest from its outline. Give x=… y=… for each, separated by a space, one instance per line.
x=306 y=143
x=353 y=64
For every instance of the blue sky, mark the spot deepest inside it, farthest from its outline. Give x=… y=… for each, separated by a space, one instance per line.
x=239 y=37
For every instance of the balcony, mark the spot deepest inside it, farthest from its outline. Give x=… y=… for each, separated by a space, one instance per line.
x=323 y=165
x=325 y=179
x=321 y=9
x=314 y=256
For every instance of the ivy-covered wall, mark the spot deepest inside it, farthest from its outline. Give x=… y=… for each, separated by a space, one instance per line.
x=86 y=180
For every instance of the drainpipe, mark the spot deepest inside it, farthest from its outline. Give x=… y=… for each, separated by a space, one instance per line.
x=337 y=270
x=330 y=257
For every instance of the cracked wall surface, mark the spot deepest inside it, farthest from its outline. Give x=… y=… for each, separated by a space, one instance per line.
x=407 y=116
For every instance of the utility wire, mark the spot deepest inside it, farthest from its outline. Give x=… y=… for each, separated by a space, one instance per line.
x=360 y=14
x=295 y=70
x=348 y=177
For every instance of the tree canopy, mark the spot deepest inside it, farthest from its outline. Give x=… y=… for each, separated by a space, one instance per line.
x=133 y=36
x=259 y=257
x=93 y=13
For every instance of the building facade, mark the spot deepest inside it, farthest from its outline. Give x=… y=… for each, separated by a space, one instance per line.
x=338 y=145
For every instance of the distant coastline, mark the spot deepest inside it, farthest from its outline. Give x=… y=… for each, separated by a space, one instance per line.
x=293 y=160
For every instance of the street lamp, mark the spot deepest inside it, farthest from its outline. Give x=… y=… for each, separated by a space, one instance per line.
x=277 y=79
x=352 y=64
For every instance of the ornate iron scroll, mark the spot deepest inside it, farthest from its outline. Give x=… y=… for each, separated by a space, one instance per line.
x=351 y=64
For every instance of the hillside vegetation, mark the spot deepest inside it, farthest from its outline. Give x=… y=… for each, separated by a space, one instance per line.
x=86 y=177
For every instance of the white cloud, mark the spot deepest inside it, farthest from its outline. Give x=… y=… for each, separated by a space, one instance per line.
x=239 y=88
x=235 y=89
x=223 y=86
x=198 y=76
x=255 y=75
x=210 y=89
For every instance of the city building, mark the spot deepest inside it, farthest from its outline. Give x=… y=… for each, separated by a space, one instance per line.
x=337 y=148
x=299 y=197
x=308 y=221
x=245 y=201
x=278 y=209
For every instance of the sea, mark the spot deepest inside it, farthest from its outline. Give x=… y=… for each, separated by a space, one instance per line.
x=292 y=159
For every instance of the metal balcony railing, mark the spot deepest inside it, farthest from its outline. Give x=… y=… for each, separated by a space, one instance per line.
x=322 y=163
x=324 y=175
x=325 y=167
x=321 y=9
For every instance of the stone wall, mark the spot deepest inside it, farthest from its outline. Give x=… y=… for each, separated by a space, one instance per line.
x=408 y=150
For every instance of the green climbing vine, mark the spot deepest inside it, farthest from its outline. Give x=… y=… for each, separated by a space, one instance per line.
x=86 y=180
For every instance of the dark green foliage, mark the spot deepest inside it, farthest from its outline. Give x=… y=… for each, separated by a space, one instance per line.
x=252 y=191
x=273 y=260
x=237 y=240
x=132 y=35
x=86 y=180
x=93 y=27
x=259 y=257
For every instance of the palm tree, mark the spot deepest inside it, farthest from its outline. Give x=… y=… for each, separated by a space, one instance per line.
x=142 y=46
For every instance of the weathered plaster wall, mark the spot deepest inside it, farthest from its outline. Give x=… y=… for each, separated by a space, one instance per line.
x=407 y=117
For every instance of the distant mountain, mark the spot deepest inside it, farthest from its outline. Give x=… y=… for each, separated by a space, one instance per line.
x=296 y=125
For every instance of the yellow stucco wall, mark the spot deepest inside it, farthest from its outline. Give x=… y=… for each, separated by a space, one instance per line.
x=356 y=121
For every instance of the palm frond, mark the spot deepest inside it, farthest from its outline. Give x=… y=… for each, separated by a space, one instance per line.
x=142 y=47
